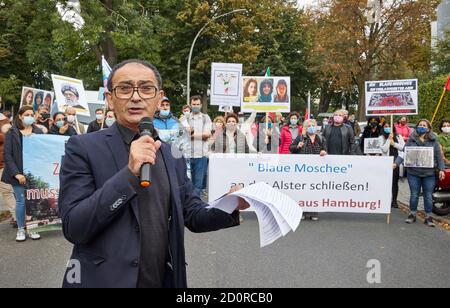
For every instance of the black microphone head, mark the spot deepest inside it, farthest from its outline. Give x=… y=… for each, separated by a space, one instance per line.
x=146 y=124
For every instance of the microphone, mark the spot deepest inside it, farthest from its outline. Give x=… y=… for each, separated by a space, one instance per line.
x=146 y=128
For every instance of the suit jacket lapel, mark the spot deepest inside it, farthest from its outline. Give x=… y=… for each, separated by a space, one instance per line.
x=169 y=161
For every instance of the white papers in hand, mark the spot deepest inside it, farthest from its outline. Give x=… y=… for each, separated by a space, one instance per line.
x=277 y=213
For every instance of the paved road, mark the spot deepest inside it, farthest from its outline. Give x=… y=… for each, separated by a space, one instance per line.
x=331 y=253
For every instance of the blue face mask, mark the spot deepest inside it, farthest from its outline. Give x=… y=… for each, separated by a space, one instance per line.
x=312 y=130
x=387 y=130
x=196 y=109
x=294 y=122
x=164 y=113
x=422 y=130
x=60 y=124
x=270 y=125
x=27 y=121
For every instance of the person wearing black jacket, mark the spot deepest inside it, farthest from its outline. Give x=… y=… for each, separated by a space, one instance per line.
x=372 y=130
x=13 y=173
x=61 y=126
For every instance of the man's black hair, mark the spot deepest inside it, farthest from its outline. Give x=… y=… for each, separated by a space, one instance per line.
x=134 y=61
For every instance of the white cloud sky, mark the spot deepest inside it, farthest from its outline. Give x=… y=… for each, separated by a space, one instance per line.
x=302 y=3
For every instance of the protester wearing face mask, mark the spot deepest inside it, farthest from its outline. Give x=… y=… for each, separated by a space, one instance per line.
x=391 y=145
x=309 y=143
x=267 y=139
x=13 y=173
x=98 y=123
x=199 y=128
x=61 y=127
x=6 y=190
x=423 y=179
x=71 y=115
x=372 y=130
x=217 y=129
x=110 y=118
x=167 y=125
x=403 y=129
x=185 y=112
x=289 y=133
x=230 y=139
x=339 y=139
x=444 y=140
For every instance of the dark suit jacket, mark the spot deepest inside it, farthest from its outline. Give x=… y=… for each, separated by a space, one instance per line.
x=100 y=212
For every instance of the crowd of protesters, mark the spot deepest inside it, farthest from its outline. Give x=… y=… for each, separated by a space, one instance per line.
x=197 y=136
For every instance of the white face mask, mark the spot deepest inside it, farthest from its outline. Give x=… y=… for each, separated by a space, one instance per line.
x=99 y=117
x=446 y=130
x=110 y=121
x=71 y=119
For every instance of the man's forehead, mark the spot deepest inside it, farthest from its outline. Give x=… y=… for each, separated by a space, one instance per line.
x=134 y=72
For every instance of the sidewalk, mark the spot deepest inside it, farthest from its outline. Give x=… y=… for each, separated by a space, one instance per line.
x=403 y=198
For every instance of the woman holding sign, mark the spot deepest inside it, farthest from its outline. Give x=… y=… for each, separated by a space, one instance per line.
x=423 y=157
x=13 y=173
x=391 y=145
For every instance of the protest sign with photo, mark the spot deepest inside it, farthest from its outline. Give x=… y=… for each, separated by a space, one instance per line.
x=36 y=98
x=318 y=184
x=226 y=84
x=70 y=92
x=372 y=146
x=266 y=94
x=397 y=97
x=419 y=157
x=42 y=156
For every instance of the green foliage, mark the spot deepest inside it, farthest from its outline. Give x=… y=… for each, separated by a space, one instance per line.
x=429 y=95
x=35 y=43
x=441 y=56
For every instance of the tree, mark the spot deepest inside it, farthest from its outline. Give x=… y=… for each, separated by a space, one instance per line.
x=441 y=56
x=350 y=51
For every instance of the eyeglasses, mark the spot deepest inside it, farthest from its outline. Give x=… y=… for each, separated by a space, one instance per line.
x=127 y=92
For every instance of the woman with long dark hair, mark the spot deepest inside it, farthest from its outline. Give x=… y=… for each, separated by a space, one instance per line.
x=423 y=179
x=392 y=144
x=13 y=173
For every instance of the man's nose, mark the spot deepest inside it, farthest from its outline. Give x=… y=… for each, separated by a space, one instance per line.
x=135 y=97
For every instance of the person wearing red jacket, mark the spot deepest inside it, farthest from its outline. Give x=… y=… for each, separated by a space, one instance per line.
x=289 y=133
x=403 y=129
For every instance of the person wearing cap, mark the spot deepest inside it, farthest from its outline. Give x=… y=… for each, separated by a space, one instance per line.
x=166 y=124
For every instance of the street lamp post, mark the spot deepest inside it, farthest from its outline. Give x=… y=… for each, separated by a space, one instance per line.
x=188 y=93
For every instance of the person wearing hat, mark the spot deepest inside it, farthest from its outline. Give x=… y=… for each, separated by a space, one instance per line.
x=72 y=96
x=166 y=124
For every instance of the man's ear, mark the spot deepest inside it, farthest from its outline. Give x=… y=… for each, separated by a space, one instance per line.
x=109 y=101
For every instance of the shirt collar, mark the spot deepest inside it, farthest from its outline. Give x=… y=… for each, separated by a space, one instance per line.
x=127 y=134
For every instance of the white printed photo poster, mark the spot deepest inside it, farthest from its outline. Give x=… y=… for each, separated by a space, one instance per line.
x=266 y=94
x=70 y=92
x=397 y=97
x=419 y=157
x=36 y=98
x=372 y=146
x=226 y=84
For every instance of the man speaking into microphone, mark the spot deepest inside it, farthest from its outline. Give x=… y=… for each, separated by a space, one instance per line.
x=129 y=232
